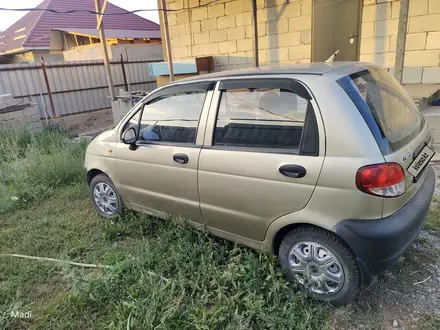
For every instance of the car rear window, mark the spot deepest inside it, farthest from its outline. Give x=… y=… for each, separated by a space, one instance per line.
x=385 y=105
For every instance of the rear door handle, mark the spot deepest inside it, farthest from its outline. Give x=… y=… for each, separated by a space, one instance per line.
x=181 y=158
x=293 y=171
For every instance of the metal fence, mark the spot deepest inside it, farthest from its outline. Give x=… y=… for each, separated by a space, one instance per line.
x=65 y=88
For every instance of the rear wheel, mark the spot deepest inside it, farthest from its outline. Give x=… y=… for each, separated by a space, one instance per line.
x=105 y=197
x=321 y=263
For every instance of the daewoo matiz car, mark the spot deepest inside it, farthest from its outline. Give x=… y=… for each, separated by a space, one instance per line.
x=325 y=165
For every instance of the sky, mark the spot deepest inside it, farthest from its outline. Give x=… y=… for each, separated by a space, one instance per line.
x=7 y=18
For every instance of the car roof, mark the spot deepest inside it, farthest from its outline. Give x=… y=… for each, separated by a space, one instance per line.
x=317 y=68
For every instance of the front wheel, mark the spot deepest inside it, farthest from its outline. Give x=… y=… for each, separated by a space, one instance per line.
x=105 y=197
x=322 y=263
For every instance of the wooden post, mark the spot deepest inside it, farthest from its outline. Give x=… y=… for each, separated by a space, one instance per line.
x=401 y=40
x=167 y=39
x=123 y=73
x=108 y=72
x=49 y=91
x=255 y=21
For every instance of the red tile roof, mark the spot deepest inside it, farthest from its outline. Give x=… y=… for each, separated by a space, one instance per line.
x=36 y=25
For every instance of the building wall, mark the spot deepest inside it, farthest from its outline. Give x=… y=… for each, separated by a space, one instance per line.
x=225 y=31
x=35 y=57
x=95 y=52
x=379 y=32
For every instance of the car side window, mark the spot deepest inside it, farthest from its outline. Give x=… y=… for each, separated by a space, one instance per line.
x=172 y=118
x=272 y=118
x=133 y=122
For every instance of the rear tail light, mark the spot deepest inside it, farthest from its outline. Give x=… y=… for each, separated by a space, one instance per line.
x=385 y=180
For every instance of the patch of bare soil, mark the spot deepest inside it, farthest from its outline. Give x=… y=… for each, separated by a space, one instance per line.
x=407 y=296
x=89 y=122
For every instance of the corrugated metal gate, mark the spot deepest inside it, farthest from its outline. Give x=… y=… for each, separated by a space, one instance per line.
x=74 y=87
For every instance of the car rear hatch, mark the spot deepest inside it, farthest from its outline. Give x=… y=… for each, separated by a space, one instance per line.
x=397 y=125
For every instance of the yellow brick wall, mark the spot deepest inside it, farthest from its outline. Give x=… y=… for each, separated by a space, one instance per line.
x=379 y=34
x=225 y=31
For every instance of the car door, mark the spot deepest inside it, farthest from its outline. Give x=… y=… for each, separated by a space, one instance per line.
x=158 y=174
x=263 y=152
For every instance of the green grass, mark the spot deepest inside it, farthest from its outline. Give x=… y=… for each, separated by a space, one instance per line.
x=209 y=283
x=433 y=221
x=33 y=166
x=163 y=274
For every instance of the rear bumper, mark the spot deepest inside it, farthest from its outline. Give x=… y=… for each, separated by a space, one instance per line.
x=379 y=243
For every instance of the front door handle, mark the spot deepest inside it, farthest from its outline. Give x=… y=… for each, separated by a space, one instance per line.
x=293 y=171
x=181 y=158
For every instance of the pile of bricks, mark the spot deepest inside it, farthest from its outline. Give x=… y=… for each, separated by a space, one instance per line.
x=15 y=115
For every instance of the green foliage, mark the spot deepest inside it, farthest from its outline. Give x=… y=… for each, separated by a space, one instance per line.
x=33 y=166
x=433 y=222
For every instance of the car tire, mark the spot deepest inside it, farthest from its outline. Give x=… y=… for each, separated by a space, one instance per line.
x=105 y=197
x=323 y=264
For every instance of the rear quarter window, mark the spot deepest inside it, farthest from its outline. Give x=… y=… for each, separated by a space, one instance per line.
x=389 y=111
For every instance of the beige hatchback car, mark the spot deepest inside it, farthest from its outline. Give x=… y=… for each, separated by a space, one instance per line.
x=325 y=165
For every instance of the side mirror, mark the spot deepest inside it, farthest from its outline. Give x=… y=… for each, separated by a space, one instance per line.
x=129 y=136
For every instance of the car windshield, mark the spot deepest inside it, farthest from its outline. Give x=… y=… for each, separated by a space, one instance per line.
x=393 y=110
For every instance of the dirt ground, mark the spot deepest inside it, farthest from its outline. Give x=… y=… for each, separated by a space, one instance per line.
x=89 y=122
x=407 y=296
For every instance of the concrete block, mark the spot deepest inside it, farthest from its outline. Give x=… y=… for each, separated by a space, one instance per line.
x=217 y=35
x=226 y=22
x=384 y=59
x=15 y=114
x=434 y=7
x=293 y=9
x=196 y=27
x=395 y=9
x=172 y=19
x=431 y=76
x=418 y=7
x=367 y=30
x=289 y=39
x=306 y=37
x=182 y=17
x=278 y=54
x=379 y=12
x=234 y=7
x=300 y=52
x=306 y=7
x=198 y=14
x=185 y=40
x=197 y=50
x=425 y=23
x=412 y=75
x=262 y=55
x=266 y=15
x=263 y=42
x=216 y=10
x=300 y=23
x=180 y=52
x=227 y=47
x=239 y=58
x=243 y=19
x=433 y=40
x=277 y=27
x=209 y=24
x=375 y=45
x=236 y=33
x=422 y=58
x=221 y=60
x=201 y=38
x=386 y=28
x=369 y=2
x=211 y=48
x=414 y=41
x=245 y=45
